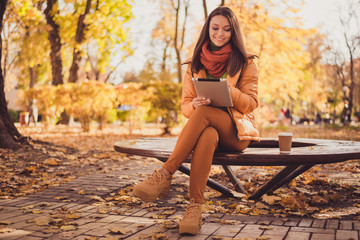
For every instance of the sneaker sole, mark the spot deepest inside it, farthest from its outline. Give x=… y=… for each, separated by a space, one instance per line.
x=189 y=229
x=145 y=196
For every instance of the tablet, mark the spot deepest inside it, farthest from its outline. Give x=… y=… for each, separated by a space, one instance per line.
x=216 y=89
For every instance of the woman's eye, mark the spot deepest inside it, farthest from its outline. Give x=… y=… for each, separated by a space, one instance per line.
x=228 y=30
x=215 y=29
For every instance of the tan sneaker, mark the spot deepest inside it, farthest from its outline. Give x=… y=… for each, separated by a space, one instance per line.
x=156 y=186
x=191 y=221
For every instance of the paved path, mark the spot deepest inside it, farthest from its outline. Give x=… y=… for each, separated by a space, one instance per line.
x=83 y=216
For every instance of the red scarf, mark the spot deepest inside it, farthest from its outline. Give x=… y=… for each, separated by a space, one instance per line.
x=215 y=63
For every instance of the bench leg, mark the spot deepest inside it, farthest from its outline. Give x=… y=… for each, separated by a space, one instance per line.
x=233 y=179
x=274 y=181
x=301 y=169
x=211 y=183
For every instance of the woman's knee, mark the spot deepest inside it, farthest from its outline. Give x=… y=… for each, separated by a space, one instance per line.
x=210 y=135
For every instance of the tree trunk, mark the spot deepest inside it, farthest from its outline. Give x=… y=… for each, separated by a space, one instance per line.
x=205 y=9
x=55 y=43
x=79 y=38
x=178 y=46
x=9 y=135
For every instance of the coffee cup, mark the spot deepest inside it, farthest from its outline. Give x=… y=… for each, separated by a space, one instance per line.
x=285 y=140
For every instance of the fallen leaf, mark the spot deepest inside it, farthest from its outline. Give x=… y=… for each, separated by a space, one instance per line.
x=261 y=205
x=40 y=221
x=5 y=223
x=103 y=210
x=72 y=216
x=263 y=238
x=68 y=227
x=159 y=236
x=81 y=192
x=61 y=197
x=91 y=238
x=121 y=231
x=265 y=228
x=6 y=230
x=51 y=162
x=97 y=198
x=318 y=200
x=271 y=200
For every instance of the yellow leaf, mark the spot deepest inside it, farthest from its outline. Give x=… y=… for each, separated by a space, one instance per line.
x=72 y=216
x=265 y=228
x=36 y=211
x=68 y=227
x=61 y=197
x=103 y=210
x=159 y=236
x=121 y=231
x=232 y=206
x=292 y=183
x=81 y=192
x=5 y=223
x=122 y=193
x=28 y=207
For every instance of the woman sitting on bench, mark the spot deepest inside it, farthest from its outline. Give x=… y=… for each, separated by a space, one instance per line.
x=219 y=53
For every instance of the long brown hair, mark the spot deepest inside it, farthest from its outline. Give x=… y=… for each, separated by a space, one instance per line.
x=238 y=57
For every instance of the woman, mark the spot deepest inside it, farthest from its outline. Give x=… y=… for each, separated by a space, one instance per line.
x=219 y=52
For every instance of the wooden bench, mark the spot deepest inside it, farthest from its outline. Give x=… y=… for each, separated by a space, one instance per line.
x=305 y=154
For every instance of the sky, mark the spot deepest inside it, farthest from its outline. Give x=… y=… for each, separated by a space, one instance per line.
x=316 y=13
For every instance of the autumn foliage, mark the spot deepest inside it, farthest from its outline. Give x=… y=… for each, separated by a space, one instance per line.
x=95 y=101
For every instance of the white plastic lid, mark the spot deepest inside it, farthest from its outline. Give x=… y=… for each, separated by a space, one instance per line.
x=285 y=134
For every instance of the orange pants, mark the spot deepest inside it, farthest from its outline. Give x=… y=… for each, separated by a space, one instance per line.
x=207 y=129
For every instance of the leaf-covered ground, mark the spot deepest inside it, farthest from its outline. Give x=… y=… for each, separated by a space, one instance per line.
x=61 y=154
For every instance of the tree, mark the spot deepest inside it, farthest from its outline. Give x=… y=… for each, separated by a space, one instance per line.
x=30 y=56
x=100 y=34
x=352 y=44
x=55 y=43
x=179 y=36
x=79 y=38
x=9 y=135
x=205 y=10
x=279 y=41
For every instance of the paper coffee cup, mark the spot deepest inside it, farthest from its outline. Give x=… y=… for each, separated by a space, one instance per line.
x=285 y=140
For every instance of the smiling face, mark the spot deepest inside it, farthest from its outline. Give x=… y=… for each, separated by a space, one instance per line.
x=219 y=30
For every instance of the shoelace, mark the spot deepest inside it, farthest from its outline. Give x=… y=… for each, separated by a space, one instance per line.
x=155 y=177
x=192 y=211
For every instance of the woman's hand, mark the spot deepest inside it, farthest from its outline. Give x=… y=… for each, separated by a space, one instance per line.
x=199 y=101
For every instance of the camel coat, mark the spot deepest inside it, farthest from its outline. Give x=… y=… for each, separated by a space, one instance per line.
x=244 y=97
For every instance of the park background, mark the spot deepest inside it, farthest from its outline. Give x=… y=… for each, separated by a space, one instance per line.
x=120 y=61
x=112 y=70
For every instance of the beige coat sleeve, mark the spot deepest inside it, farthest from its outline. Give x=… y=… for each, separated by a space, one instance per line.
x=245 y=97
